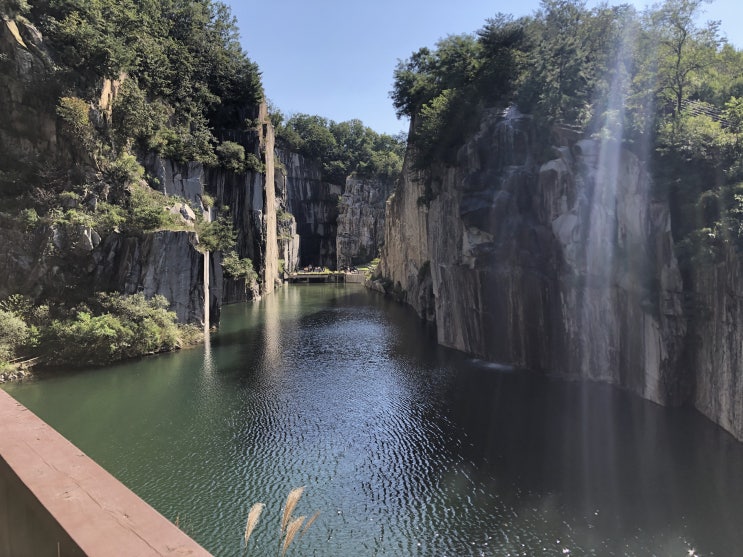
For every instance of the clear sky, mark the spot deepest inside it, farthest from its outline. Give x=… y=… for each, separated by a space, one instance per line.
x=335 y=58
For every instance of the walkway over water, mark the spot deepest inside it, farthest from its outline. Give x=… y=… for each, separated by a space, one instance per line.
x=329 y=276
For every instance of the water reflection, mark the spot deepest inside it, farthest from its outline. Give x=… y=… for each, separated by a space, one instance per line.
x=407 y=448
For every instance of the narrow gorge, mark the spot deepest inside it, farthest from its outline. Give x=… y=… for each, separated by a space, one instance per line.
x=563 y=263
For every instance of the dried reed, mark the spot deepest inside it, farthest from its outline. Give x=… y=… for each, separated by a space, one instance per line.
x=291 y=501
x=253 y=516
x=312 y=519
x=290 y=527
x=291 y=531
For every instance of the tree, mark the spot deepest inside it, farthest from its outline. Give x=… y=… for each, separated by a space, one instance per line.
x=13 y=333
x=502 y=40
x=239 y=268
x=685 y=51
x=342 y=148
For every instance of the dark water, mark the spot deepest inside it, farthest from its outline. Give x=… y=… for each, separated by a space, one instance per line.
x=406 y=448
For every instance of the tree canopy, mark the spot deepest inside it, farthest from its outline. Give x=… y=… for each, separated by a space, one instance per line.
x=342 y=148
x=186 y=74
x=657 y=79
x=560 y=65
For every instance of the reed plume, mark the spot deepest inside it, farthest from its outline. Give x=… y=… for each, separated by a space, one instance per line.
x=291 y=501
x=291 y=531
x=253 y=516
x=290 y=527
x=309 y=523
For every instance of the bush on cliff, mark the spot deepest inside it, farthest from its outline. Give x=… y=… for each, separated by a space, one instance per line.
x=239 y=268
x=217 y=235
x=115 y=327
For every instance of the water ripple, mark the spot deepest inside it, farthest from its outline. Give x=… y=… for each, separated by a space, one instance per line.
x=407 y=449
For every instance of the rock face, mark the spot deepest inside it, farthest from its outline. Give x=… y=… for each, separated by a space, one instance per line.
x=163 y=262
x=186 y=180
x=71 y=261
x=314 y=204
x=27 y=130
x=565 y=267
x=250 y=197
x=716 y=342
x=332 y=225
x=360 y=231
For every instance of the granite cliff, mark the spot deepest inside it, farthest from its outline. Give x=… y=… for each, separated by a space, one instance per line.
x=327 y=224
x=566 y=267
x=314 y=204
x=360 y=231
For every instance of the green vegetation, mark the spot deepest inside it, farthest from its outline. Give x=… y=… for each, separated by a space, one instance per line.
x=186 y=73
x=284 y=222
x=239 y=268
x=110 y=327
x=180 y=80
x=342 y=148
x=14 y=334
x=217 y=235
x=681 y=88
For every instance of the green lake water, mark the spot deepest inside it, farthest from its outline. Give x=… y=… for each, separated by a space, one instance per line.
x=406 y=448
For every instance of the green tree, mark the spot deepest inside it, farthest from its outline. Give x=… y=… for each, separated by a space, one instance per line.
x=342 y=148
x=13 y=334
x=239 y=268
x=217 y=235
x=685 y=51
x=231 y=156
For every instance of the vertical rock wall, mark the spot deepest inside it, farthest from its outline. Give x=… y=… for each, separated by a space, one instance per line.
x=270 y=267
x=542 y=266
x=163 y=262
x=314 y=204
x=28 y=129
x=405 y=263
x=716 y=341
x=251 y=199
x=360 y=231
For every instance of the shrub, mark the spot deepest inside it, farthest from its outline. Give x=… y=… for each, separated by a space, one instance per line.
x=253 y=163
x=29 y=218
x=73 y=217
x=207 y=200
x=125 y=170
x=217 y=235
x=108 y=218
x=147 y=211
x=122 y=326
x=13 y=334
x=236 y=267
x=75 y=115
x=231 y=156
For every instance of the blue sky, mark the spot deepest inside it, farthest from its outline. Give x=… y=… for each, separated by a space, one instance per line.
x=335 y=58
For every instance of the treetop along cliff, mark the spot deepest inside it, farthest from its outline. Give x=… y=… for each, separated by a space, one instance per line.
x=656 y=78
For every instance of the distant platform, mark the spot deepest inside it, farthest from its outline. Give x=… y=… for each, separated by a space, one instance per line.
x=330 y=276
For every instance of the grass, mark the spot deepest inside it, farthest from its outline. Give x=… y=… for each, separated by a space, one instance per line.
x=290 y=527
